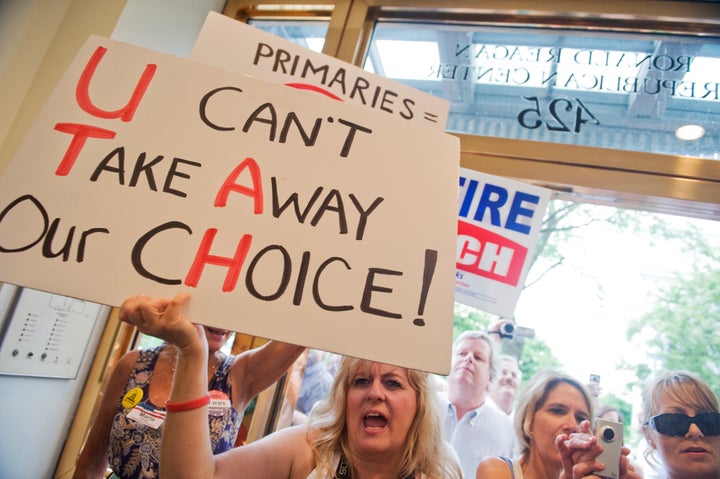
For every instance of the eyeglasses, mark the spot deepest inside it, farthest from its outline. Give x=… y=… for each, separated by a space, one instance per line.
x=677 y=425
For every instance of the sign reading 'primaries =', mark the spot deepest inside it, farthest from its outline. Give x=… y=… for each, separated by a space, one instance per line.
x=286 y=214
x=227 y=43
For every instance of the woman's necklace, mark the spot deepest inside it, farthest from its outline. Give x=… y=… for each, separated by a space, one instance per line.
x=215 y=361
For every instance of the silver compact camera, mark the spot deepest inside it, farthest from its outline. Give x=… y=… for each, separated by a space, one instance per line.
x=609 y=435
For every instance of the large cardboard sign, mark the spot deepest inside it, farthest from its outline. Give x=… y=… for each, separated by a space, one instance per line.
x=498 y=227
x=286 y=214
x=236 y=46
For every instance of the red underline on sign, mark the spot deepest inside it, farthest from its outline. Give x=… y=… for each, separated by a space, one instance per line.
x=305 y=86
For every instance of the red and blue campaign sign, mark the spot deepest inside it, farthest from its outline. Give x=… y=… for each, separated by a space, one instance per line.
x=499 y=221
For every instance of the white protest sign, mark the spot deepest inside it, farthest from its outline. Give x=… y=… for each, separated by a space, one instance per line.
x=498 y=227
x=233 y=45
x=287 y=215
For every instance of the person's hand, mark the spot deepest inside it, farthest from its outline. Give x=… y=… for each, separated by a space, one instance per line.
x=163 y=318
x=579 y=450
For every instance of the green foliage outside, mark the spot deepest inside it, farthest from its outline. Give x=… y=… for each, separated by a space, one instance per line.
x=468 y=318
x=681 y=331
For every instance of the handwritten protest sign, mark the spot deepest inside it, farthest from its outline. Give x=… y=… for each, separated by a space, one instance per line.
x=227 y=43
x=484 y=281
x=286 y=214
x=498 y=227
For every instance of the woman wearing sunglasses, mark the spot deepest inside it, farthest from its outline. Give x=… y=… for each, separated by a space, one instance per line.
x=681 y=424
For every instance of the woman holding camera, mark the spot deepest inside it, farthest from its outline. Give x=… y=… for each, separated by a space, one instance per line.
x=552 y=423
x=681 y=425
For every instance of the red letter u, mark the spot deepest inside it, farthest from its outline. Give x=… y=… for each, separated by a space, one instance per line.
x=82 y=93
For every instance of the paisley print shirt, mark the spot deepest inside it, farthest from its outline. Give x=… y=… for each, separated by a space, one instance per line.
x=134 y=451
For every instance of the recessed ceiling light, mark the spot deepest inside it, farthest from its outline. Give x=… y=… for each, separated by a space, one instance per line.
x=690 y=132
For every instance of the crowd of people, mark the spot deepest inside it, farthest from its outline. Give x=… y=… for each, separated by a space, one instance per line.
x=173 y=411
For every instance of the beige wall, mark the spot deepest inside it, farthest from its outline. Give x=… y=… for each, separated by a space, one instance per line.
x=38 y=39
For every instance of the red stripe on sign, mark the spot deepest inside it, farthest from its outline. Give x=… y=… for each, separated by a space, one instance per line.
x=484 y=253
x=307 y=86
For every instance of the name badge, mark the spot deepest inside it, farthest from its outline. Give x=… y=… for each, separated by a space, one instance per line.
x=146 y=415
x=219 y=403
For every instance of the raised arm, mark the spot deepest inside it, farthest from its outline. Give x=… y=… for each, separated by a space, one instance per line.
x=92 y=462
x=255 y=370
x=185 y=451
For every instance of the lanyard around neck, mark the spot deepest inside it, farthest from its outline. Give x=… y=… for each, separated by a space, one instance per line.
x=343 y=469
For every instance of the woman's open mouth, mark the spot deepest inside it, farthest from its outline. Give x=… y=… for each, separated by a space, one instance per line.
x=375 y=419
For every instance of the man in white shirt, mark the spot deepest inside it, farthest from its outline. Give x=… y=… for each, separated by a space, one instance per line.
x=504 y=388
x=474 y=428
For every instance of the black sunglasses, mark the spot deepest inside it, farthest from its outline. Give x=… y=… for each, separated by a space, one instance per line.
x=677 y=425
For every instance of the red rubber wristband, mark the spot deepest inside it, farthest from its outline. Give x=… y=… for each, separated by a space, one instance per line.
x=187 y=405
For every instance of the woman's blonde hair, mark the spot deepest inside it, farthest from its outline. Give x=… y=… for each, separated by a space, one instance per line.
x=425 y=451
x=682 y=386
x=534 y=396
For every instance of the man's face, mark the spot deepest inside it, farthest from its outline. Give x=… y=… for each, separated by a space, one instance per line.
x=471 y=364
x=508 y=381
